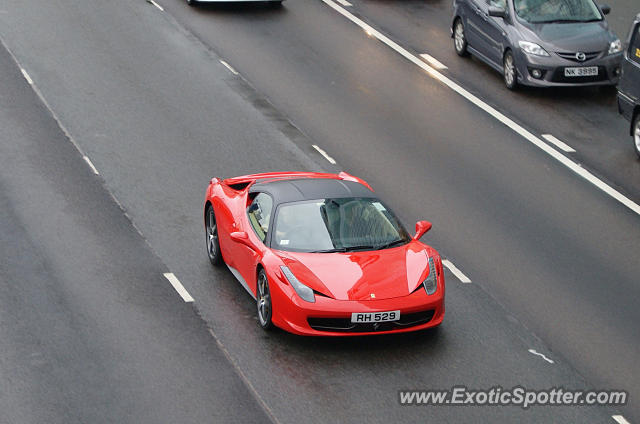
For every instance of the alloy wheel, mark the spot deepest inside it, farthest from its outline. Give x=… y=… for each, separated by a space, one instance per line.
x=264 y=301
x=459 y=40
x=213 y=243
x=509 y=71
x=636 y=135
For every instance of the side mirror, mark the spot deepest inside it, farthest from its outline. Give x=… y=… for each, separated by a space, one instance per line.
x=497 y=12
x=242 y=238
x=421 y=228
x=606 y=9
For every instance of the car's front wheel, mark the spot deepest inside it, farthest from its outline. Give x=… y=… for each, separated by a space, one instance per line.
x=510 y=73
x=263 y=299
x=459 y=38
x=636 y=134
x=213 y=242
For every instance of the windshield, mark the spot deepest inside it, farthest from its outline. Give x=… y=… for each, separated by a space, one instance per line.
x=337 y=225
x=559 y=11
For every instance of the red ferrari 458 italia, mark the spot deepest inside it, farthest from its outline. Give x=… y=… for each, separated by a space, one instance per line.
x=322 y=255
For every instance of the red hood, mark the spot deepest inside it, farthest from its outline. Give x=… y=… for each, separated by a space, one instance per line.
x=385 y=273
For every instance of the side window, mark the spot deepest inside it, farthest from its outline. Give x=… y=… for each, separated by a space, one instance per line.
x=259 y=213
x=634 y=46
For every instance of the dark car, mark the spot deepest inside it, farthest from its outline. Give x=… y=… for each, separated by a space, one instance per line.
x=629 y=86
x=543 y=43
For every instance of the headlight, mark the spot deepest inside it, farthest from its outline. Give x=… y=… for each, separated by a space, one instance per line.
x=303 y=291
x=615 y=46
x=532 y=48
x=431 y=282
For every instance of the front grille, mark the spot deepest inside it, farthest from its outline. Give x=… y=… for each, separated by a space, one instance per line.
x=572 y=56
x=344 y=325
x=558 y=76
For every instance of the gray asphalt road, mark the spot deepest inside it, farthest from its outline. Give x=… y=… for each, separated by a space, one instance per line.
x=585 y=118
x=91 y=330
x=158 y=115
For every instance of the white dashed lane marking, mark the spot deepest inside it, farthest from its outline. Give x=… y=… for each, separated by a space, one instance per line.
x=324 y=154
x=229 y=67
x=541 y=355
x=26 y=76
x=559 y=143
x=93 y=168
x=620 y=419
x=433 y=61
x=455 y=271
x=156 y=5
x=178 y=286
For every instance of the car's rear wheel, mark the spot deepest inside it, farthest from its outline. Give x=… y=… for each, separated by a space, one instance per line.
x=510 y=73
x=459 y=38
x=636 y=134
x=213 y=242
x=265 y=309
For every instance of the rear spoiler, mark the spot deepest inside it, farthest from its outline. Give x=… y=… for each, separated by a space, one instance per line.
x=244 y=181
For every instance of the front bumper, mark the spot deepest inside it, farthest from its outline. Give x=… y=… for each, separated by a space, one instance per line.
x=552 y=70
x=331 y=317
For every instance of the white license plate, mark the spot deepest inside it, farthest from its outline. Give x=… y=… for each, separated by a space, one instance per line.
x=366 y=317
x=588 y=71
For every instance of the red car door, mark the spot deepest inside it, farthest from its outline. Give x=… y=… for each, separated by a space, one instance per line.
x=247 y=241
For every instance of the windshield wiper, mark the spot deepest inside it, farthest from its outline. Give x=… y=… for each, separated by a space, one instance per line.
x=557 y=21
x=337 y=249
x=390 y=244
x=360 y=247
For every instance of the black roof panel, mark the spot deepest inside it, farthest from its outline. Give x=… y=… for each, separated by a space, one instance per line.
x=294 y=190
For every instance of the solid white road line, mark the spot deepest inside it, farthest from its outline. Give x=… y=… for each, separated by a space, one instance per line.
x=345 y=3
x=433 y=61
x=229 y=67
x=26 y=76
x=541 y=355
x=178 y=286
x=575 y=167
x=455 y=271
x=156 y=5
x=620 y=419
x=325 y=155
x=93 y=168
x=559 y=143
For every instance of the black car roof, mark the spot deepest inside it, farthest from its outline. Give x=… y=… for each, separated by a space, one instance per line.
x=294 y=190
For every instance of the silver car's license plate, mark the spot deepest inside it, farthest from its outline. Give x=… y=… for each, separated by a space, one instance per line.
x=365 y=317
x=587 y=71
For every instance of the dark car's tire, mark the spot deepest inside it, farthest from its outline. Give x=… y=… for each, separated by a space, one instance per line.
x=263 y=301
x=192 y=2
x=459 y=38
x=213 y=242
x=636 y=134
x=509 y=71
x=275 y=4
